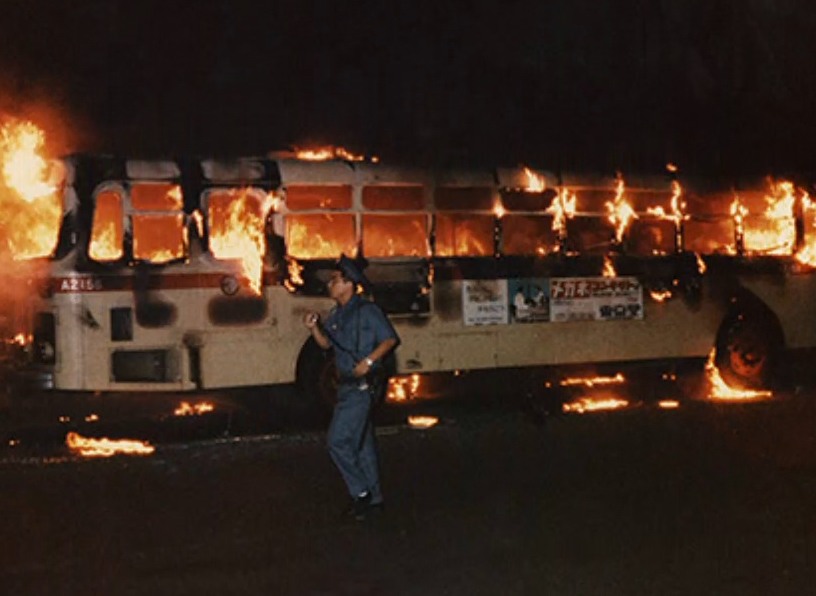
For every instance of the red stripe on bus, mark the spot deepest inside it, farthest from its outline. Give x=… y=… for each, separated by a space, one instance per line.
x=165 y=281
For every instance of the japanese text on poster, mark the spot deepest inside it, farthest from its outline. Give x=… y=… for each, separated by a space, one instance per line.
x=484 y=301
x=595 y=299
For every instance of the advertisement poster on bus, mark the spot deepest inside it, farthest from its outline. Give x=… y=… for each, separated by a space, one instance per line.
x=484 y=301
x=529 y=300
x=595 y=299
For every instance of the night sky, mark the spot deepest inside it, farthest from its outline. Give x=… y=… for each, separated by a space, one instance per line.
x=712 y=85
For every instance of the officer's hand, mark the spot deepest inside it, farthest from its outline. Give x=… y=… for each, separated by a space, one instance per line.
x=310 y=319
x=361 y=369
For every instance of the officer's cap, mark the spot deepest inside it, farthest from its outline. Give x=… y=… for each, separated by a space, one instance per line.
x=353 y=270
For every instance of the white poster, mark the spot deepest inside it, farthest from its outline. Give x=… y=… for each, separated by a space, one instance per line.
x=484 y=301
x=595 y=299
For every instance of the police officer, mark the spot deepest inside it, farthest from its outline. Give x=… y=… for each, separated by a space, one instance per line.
x=361 y=336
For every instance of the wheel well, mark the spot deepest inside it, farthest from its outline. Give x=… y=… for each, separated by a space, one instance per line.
x=747 y=306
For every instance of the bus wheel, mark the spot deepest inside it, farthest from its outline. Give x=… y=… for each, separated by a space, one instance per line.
x=747 y=354
x=317 y=377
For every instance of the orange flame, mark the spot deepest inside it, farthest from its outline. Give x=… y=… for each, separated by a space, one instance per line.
x=668 y=404
x=620 y=212
x=330 y=152
x=701 y=266
x=660 y=296
x=592 y=404
x=106 y=447
x=535 y=182
x=609 y=268
x=721 y=391
x=29 y=191
x=778 y=235
x=238 y=233
x=422 y=421
x=563 y=207
x=308 y=243
x=403 y=388
x=593 y=381
x=185 y=409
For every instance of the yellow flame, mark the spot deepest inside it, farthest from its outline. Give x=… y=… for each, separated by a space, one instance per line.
x=660 y=296
x=186 y=409
x=106 y=447
x=329 y=152
x=668 y=404
x=498 y=208
x=721 y=391
x=535 y=182
x=619 y=211
x=701 y=266
x=563 y=207
x=778 y=234
x=593 y=381
x=33 y=207
x=609 y=268
x=591 y=404
x=403 y=388
x=422 y=421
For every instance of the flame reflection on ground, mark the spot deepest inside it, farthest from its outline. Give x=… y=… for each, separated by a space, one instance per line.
x=594 y=404
x=422 y=422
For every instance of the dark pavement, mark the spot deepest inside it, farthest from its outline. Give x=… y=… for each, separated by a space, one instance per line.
x=705 y=499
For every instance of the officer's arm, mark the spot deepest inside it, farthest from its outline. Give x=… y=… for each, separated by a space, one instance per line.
x=385 y=334
x=382 y=349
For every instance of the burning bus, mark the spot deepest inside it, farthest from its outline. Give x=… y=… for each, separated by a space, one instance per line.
x=182 y=275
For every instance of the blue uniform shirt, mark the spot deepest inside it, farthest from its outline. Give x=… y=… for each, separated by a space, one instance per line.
x=355 y=329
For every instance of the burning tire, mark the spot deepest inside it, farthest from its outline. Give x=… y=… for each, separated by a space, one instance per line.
x=316 y=377
x=747 y=352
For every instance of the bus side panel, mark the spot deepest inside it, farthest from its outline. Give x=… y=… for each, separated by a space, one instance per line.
x=792 y=300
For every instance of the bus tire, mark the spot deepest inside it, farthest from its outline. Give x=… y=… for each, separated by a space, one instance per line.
x=748 y=351
x=316 y=378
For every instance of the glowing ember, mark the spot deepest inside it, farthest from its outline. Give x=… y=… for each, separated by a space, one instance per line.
x=660 y=296
x=620 y=212
x=535 y=183
x=671 y=168
x=21 y=339
x=720 y=391
x=590 y=404
x=106 y=447
x=403 y=388
x=326 y=153
x=186 y=409
x=92 y=418
x=30 y=191
x=593 y=381
x=237 y=231
x=668 y=404
x=609 y=268
x=422 y=422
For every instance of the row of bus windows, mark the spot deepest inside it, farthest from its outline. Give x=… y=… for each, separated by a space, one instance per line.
x=159 y=228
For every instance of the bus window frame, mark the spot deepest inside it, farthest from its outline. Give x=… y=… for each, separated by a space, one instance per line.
x=204 y=202
x=127 y=231
x=131 y=211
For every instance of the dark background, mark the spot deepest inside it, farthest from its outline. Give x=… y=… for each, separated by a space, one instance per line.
x=722 y=86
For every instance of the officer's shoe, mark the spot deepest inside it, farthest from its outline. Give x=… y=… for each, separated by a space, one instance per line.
x=359 y=507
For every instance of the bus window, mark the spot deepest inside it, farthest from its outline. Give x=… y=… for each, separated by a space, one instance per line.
x=395 y=236
x=454 y=198
x=158 y=238
x=649 y=237
x=715 y=236
x=519 y=200
x=156 y=197
x=236 y=223
x=461 y=235
x=304 y=198
x=320 y=236
x=394 y=198
x=528 y=235
x=107 y=234
x=589 y=235
x=769 y=235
